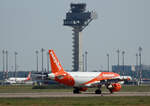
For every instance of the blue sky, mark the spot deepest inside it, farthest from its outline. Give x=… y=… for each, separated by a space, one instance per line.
x=29 y=25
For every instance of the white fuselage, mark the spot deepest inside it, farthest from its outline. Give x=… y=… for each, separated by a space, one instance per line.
x=14 y=80
x=83 y=77
x=89 y=79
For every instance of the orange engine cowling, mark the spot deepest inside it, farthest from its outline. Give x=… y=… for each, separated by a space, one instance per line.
x=116 y=87
x=83 y=89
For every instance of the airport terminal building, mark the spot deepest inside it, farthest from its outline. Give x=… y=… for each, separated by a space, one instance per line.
x=132 y=70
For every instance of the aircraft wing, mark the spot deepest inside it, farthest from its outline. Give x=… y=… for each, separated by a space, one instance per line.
x=101 y=82
x=60 y=76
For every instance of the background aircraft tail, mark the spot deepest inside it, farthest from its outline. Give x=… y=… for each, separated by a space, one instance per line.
x=29 y=76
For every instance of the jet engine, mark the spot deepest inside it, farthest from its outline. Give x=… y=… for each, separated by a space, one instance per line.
x=114 y=87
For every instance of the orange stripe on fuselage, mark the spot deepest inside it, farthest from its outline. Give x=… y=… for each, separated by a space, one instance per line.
x=65 y=79
x=103 y=76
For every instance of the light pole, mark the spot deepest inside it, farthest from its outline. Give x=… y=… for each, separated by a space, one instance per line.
x=118 y=51
x=137 y=67
x=16 y=64
x=83 y=62
x=47 y=61
x=6 y=74
x=3 y=64
x=123 y=52
x=140 y=56
x=108 y=61
x=86 y=60
x=37 y=60
x=42 y=50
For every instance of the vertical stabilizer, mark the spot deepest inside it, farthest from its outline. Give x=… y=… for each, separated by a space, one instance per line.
x=55 y=64
x=29 y=76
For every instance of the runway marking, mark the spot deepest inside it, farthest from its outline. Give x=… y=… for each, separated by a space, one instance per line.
x=70 y=94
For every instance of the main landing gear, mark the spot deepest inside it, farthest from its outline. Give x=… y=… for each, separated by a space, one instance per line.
x=98 y=91
x=76 y=91
x=110 y=90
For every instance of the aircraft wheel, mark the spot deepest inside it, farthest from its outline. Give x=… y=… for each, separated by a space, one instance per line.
x=76 y=91
x=98 y=91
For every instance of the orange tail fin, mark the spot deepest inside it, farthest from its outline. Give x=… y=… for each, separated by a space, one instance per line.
x=55 y=64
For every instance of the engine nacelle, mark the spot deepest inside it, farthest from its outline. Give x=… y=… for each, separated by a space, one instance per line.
x=114 y=87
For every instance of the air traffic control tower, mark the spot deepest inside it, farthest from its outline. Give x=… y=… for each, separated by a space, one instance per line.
x=78 y=18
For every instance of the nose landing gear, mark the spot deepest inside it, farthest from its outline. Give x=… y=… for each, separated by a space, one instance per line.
x=76 y=91
x=98 y=91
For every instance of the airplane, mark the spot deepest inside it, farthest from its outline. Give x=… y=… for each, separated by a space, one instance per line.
x=81 y=81
x=17 y=80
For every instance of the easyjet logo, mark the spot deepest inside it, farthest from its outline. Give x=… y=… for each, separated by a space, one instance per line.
x=55 y=61
x=108 y=75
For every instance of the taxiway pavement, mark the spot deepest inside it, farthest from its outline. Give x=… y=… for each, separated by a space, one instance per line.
x=70 y=94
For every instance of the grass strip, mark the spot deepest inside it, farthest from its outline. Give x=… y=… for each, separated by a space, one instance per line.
x=77 y=101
